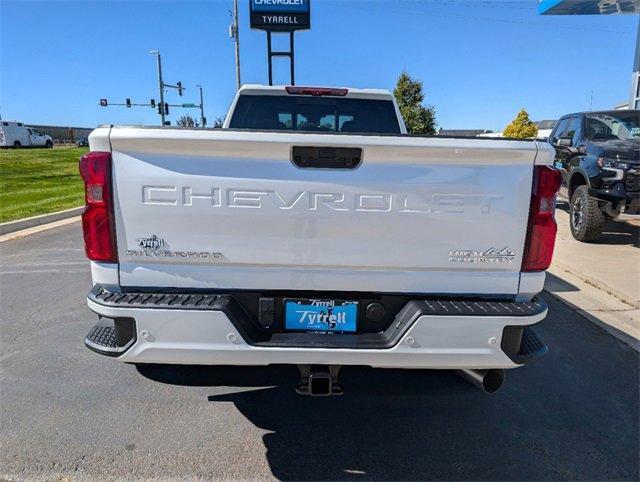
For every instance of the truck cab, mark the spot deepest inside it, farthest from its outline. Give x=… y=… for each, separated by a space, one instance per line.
x=38 y=139
x=598 y=154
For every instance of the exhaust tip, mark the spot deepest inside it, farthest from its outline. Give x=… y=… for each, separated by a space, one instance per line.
x=489 y=381
x=492 y=380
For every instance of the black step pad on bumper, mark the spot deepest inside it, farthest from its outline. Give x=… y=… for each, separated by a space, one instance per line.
x=255 y=334
x=522 y=344
x=531 y=346
x=177 y=301
x=209 y=301
x=111 y=337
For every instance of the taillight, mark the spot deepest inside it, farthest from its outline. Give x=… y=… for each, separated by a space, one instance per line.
x=542 y=227
x=97 y=218
x=316 y=91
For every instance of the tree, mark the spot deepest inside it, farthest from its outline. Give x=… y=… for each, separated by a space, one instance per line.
x=218 y=122
x=417 y=118
x=186 y=121
x=521 y=127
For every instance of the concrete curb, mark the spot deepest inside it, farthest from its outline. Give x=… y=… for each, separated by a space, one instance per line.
x=26 y=223
x=597 y=306
x=600 y=285
x=622 y=336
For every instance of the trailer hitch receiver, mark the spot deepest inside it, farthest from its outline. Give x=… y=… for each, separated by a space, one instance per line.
x=319 y=380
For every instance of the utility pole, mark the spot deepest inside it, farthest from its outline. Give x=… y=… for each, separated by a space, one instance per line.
x=160 y=85
x=202 y=119
x=235 y=34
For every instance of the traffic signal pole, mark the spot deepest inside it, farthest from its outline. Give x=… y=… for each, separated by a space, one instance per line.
x=163 y=107
x=236 y=32
x=202 y=119
x=160 y=86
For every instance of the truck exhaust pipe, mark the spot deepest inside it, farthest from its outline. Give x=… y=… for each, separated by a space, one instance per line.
x=489 y=381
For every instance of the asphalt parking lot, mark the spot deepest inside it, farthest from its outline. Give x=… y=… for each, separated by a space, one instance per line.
x=67 y=412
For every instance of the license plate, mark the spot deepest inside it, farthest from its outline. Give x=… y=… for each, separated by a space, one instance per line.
x=321 y=315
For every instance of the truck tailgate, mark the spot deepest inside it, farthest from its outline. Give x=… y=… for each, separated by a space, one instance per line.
x=225 y=209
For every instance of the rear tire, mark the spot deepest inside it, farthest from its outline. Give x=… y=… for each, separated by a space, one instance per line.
x=48 y=144
x=586 y=217
x=17 y=145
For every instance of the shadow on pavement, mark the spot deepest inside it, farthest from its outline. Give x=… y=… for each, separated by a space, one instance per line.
x=557 y=285
x=615 y=232
x=572 y=415
x=620 y=232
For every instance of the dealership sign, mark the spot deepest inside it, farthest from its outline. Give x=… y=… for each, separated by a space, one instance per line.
x=280 y=15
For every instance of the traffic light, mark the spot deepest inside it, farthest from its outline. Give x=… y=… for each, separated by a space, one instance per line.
x=166 y=108
x=160 y=109
x=204 y=121
x=180 y=88
x=153 y=103
x=128 y=102
x=103 y=103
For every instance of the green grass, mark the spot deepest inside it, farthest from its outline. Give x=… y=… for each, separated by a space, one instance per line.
x=39 y=181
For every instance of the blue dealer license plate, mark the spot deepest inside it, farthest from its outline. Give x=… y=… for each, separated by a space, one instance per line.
x=321 y=315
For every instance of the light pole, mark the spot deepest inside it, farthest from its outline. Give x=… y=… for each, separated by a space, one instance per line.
x=160 y=85
x=202 y=120
x=235 y=34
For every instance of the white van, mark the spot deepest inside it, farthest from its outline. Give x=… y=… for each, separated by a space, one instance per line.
x=16 y=134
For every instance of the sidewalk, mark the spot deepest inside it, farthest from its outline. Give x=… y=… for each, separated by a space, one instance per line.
x=600 y=280
x=611 y=264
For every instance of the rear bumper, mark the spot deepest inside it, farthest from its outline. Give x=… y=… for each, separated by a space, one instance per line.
x=434 y=335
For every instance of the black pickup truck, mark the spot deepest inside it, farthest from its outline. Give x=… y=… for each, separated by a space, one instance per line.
x=599 y=156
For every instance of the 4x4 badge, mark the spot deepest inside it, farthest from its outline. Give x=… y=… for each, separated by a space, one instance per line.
x=491 y=255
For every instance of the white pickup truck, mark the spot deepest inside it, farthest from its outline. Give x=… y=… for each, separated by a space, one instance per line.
x=312 y=230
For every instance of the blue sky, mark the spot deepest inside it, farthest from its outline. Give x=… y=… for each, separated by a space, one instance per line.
x=480 y=60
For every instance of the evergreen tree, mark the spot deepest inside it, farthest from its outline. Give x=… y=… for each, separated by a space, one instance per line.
x=521 y=127
x=417 y=118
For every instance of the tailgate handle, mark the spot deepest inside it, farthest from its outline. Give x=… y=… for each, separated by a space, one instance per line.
x=326 y=157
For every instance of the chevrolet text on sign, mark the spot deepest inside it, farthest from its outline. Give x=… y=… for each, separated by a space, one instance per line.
x=280 y=15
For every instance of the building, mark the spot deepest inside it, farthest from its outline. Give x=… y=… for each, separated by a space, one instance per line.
x=463 y=132
x=544 y=129
x=63 y=134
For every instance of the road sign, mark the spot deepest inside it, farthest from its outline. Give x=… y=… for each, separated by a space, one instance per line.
x=189 y=105
x=280 y=15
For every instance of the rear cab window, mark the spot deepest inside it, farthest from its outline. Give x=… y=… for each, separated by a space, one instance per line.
x=315 y=114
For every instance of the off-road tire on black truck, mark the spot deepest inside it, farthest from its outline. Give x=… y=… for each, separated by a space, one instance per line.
x=585 y=216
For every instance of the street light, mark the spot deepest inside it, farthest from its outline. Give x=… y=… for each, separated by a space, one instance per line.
x=202 y=119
